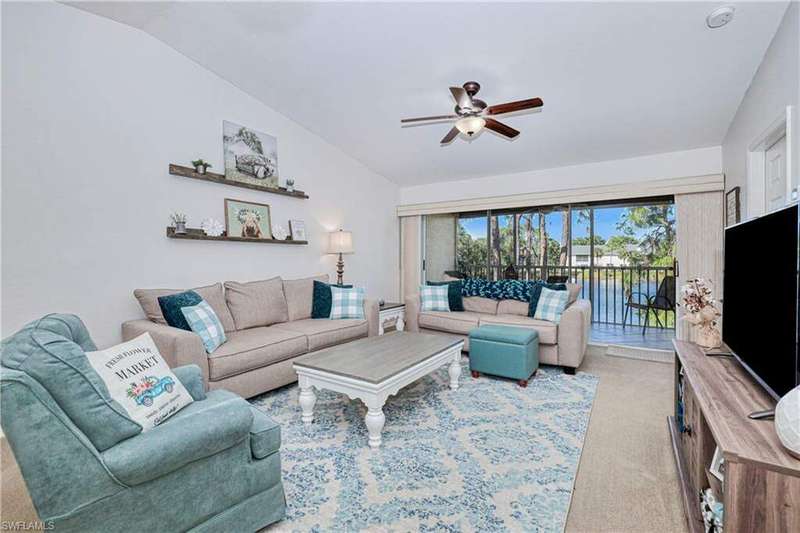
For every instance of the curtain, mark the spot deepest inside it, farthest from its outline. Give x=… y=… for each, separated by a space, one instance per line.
x=699 y=218
x=410 y=255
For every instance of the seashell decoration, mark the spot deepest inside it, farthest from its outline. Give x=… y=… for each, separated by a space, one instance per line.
x=212 y=227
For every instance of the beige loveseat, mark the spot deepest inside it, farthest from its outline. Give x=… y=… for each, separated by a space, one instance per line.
x=562 y=344
x=267 y=324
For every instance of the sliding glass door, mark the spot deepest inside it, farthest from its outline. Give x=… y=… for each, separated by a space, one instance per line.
x=621 y=255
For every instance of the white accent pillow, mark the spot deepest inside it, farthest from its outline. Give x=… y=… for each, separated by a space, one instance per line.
x=140 y=380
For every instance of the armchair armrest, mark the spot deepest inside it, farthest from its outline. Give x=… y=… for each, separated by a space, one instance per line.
x=179 y=441
x=191 y=377
x=412 y=313
x=371 y=312
x=177 y=346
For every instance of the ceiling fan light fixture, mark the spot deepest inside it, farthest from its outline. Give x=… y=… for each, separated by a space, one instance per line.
x=470 y=125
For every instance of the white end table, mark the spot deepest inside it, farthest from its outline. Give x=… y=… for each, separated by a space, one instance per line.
x=389 y=314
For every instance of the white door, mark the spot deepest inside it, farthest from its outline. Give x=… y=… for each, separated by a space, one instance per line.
x=775 y=174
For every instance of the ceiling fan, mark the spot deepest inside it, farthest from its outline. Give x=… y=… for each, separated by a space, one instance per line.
x=473 y=114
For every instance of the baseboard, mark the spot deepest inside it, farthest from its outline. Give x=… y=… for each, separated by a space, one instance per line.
x=644 y=354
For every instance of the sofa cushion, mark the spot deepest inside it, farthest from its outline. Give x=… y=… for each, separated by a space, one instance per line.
x=253 y=348
x=172 y=304
x=548 y=331
x=299 y=295
x=454 y=296
x=536 y=293
x=148 y=299
x=512 y=307
x=574 y=290
x=461 y=323
x=479 y=304
x=322 y=333
x=265 y=435
x=322 y=299
x=257 y=303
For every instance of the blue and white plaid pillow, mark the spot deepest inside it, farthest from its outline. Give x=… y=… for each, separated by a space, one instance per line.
x=551 y=305
x=347 y=303
x=204 y=321
x=434 y=298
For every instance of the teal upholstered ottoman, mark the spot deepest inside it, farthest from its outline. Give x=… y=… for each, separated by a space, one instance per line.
x=505 y=351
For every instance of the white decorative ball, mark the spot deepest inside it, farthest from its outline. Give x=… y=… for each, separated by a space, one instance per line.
x=787 y=421
x=212 y=227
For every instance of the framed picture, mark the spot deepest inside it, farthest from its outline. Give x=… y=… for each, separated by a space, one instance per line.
x=250 y=156
x=732 y=215
x=717 y=467
x=298 y=230
x=248 y=220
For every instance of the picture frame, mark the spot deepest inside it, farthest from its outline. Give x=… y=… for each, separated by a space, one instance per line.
x=297 y=228
x=717 y=468
x=251 y=157
x=732 y=207
x=248 y=220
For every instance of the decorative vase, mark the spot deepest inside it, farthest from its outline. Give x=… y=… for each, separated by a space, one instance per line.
x=290 y=185
x=180 y=228
x=787 y=421
x=708 y=336
x=200 y=169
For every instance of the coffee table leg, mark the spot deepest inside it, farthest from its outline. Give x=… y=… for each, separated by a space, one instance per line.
x=307 y=400
x=455 y=370
x=375 y=420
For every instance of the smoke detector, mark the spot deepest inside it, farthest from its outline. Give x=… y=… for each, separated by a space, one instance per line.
x=720 y=17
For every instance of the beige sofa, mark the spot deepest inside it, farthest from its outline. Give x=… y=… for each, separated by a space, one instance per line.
x=562 y=344
x=267 y=324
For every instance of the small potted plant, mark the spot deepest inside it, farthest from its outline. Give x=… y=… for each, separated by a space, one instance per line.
x=179 y=221
x=200 y=166
x=289 y=184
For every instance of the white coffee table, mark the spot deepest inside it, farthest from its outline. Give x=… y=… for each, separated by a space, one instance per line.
x=374 y=368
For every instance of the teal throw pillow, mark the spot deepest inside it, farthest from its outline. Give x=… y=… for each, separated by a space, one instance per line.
x=346 y=303
x=172 y=304
x=433 y=298
x=454 y=296
x=204 y=321
x=321 y=299
x=536 y=291
x=551 y=304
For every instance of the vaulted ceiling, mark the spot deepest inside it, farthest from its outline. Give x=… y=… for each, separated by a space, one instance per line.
x=618 y=79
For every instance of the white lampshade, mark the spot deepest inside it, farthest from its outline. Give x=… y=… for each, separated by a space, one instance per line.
x=340 y=242
x=470 y=125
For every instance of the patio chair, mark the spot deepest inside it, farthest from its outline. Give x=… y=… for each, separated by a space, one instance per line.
x=664 y=300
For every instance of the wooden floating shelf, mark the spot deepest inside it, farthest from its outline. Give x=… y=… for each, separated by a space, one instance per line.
x=187 y=172
x=196 y=234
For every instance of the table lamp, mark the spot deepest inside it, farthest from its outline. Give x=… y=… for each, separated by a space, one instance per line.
x=340 y=242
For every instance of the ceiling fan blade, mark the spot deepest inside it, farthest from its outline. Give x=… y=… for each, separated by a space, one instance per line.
x=425 y=119
x=498 y=109
x=502 y=129
x=452 y=134
x=461 y=96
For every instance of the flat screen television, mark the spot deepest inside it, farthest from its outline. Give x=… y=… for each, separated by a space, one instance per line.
x=760 y=298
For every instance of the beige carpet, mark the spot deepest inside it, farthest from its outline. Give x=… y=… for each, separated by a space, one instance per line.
x=626 y=480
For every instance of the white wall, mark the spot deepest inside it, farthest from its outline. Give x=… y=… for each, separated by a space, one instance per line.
x=775 y=85
x=94 y=112
x=697 y=162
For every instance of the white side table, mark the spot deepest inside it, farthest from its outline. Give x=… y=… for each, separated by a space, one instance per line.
x=391 y=314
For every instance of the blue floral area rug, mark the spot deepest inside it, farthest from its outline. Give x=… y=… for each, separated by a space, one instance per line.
x=489 y=456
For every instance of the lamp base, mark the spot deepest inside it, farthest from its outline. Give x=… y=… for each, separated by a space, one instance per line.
x=340 y=271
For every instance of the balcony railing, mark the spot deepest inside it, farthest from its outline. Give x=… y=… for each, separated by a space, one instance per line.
x=608 y=288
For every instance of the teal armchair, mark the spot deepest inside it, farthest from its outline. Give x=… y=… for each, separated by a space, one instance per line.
x=213 y=466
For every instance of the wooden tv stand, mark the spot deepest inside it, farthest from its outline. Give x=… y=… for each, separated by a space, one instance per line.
x=761 y=488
